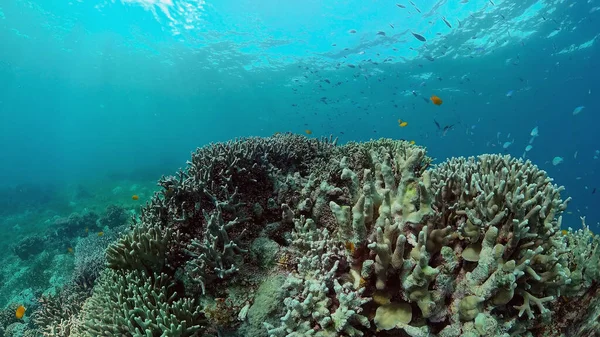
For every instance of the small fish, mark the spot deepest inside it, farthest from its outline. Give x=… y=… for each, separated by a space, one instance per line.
x=401 y=6
x=510 y=93
x=70 y=250
x=493 y=4
x=564 y=232
x=100 y=233
x=528 y=148
x=20 y=312
x=352 y=31
x=402 y=123
x=382 y=33
x=429 y=58
x=308 y=132
x=557 y=160
x=412 y=142
x=437 y=124
x=135 y=197
x=535 y=132
x=419 y=37
x=426 y=100
x=391 y=25
x=594 y=191
x=446 y=22
x=436 y=100
x=350 y=247
x=578 y=110
x=506 y=145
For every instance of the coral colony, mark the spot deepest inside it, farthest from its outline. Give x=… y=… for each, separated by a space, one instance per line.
x=290 y=236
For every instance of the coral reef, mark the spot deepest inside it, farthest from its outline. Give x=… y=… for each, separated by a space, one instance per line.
x=362 y=239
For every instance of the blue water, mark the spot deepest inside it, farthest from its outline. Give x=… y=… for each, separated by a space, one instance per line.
x=129 y=88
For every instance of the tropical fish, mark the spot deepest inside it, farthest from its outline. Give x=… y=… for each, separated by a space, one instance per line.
x=382 y=33
x=100 y=233
x=419 y=37
x=578 y=110
x=135 y=197
x=70 y=250
x=436 y=100
x=412 y=142
x=402 y=123
x=510 y=93
x=352 y=31
x=535 y=132
x=557 y=160
x=446 y=22
x=528 y=148
x=308 y=132
x=507 y=144
x=20 y=312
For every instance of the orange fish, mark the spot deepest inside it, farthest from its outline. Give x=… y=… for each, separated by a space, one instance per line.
x=350 y=247
x=135 y=197
x=20 y=312
x=436 y=100
x=564 y=232
x=308 y=132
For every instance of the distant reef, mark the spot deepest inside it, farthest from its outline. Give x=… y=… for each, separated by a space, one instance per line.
x=292 y=236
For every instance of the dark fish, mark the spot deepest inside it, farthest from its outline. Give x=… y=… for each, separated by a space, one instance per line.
x=437 y=124
x=351 y=66
x=419 y=37
x=446 y=22
x=425 y=99
x=448 y=127
x=381 y=33
x=352 y=31
x=392 y=26
x=493 y=4
x=401 y=6
x=429 y=58
x=326 y=80
x=594 y=191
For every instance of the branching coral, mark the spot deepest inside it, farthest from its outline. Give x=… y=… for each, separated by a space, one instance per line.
x=216 y=256
x=471 y=247
x=132 y=303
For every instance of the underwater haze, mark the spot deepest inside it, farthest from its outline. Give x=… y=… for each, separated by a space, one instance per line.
x=102 y=103
x=91 y=90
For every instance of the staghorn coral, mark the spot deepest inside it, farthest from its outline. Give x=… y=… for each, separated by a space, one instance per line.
x=216 y=256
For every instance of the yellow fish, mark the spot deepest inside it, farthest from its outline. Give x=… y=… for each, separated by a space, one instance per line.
x=100 y=233
x=412 y=142
x=402 y=123
x=20 y=312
